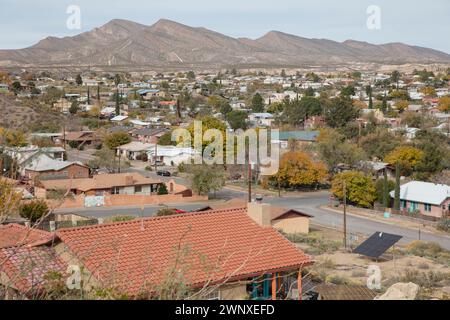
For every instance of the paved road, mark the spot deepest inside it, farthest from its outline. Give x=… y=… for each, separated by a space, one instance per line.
x=308 y=203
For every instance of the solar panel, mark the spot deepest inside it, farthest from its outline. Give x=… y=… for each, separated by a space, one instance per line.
x=377 y=244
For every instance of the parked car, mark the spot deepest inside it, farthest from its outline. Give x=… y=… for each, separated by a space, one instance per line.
x=163 y=173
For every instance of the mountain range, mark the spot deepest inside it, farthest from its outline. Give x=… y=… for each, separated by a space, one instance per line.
x=168 y=43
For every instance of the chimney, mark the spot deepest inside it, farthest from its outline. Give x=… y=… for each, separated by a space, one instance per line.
x=129 y=181
x=260 y=213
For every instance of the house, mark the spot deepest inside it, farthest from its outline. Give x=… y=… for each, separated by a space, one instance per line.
x=261 y=118
x=119 y=119
x=149 y=135
x=43 y=166
x=27 y=259
x=301 y=137
x=285 y=220
x=134 y=150
x=233 y=252
x=426 y=198
x=170 y=155
x=80 y=138
x=106 y=184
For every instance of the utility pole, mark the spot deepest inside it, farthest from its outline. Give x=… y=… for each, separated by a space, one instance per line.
x=64 y=134
x=156 y=155
x=249 y=181
x=345 y=214
x=119 y=161
x=278 y=179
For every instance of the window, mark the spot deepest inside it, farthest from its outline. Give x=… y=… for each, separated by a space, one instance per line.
x=115 y=190
x=137 y=189
x=427 y=207
x=214 y=295
x=402 y=204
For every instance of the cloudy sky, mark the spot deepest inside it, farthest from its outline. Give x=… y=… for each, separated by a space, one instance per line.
x=416 y=22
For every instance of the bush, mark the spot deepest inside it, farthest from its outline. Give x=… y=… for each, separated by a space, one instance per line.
x=162 y=189
x=73 y=144
x=33 y=210
x=444 y=225
x=122 y=218
x=165 y=212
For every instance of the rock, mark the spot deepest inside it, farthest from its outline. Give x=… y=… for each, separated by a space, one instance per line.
x=400 y=291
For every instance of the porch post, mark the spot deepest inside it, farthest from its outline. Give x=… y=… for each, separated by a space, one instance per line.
x=299 y=284
x=274 y=286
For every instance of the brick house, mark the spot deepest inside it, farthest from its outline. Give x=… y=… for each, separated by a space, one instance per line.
x=44 y=166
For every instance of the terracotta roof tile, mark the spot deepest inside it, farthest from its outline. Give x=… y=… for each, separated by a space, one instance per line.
x=213 y=245
x=13 y=234
x=27 y=268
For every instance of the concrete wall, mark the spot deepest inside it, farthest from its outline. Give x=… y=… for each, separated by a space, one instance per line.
x=133 y=200
x=233 y=292
x=292 y=225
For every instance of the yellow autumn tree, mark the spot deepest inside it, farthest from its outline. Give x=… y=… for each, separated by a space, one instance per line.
x=444 y=104
x=402 y=105
x=359 y=188
x=407 y=157
x=428 y=91
x=298 y=169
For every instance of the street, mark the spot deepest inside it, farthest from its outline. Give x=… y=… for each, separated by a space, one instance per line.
x=308 y=203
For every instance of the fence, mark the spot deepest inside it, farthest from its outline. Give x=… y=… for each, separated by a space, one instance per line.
x=55 y=225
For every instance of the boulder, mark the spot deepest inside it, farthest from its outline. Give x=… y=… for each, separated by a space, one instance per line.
x=400 y=291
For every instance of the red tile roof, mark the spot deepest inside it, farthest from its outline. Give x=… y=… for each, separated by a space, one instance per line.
x=28 y=268
x=215 y=246
x=13 y=234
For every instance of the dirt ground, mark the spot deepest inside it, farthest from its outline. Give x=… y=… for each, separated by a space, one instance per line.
x=430 y=270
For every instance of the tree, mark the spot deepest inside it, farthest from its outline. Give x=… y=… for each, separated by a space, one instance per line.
x=257 y=103
x=397 y=187
x=225 y=107
x=340 y=112
x=428 y=91
x=106 y=158
x=395 y=77
x=379 y=143
x=117 y=79
x=309 y=92
x=387 y=187
x=9 y=199
x=237 y=119
x=402 y=105
x=116 y=139
x=162 y=189
x=74 y=107
x=117 y=103
x=205 y=179
x=16 y=87
x=166 y=140
x=369 y=93
x=335 y=151
x=298 y=170
x=88 y=96
x=444 y=104
x=34 y=210
x=13 y=138
x=348 y=91
x=190 y=75
x=360 y=189
x=407 y=157
x=79 y=80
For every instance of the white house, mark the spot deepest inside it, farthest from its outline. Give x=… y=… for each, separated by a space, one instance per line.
x=261 y=118
x=170 y=155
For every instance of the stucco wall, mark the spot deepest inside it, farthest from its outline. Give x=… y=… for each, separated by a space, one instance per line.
x=233 y=292
x=292 y=225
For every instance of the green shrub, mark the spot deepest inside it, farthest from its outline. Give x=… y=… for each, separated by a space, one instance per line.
x=33 y=210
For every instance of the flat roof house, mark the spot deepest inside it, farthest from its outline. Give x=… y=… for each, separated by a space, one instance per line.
x=426 y=198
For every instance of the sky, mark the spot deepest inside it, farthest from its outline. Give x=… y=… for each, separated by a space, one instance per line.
x=415 y=22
